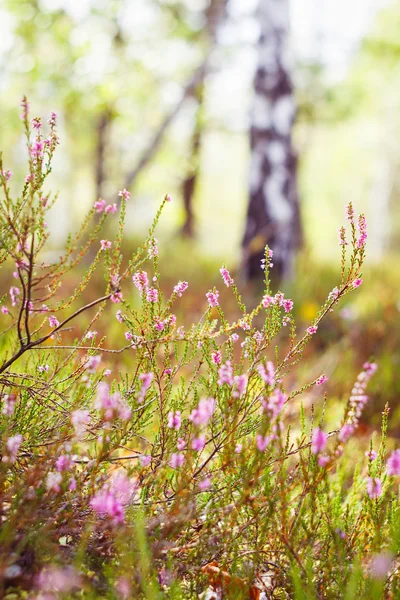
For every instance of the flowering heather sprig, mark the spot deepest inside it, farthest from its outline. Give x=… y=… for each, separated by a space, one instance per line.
x=362 y=228
x=203 y=413
x=226 y=276
x=140 y=280
x=9 y=401
x=152 y=295
x=146 y=379
x=12 y=447
x=181 y=287
x=393 y=464
x=374 y=487
x=212 y=298
x=319 y=441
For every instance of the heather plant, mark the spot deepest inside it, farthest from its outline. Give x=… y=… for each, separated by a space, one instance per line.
x=192 y=466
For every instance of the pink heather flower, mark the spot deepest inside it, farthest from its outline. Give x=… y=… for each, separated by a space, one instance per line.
x=153 y=250
x=226 y=276
x=105 y=244
x=311 y=330
x=111 y=404
x=9 y=401
x=225 y=373
x=204 y=484
x=64 y=463
x=350 y=212
x=167 y=198
x=12 y=445
x=174 y=420
x=374 y=487
x=123 y=588
x=107 y=372
x=110 y=208
x=53 y=581
x=146 y=379
x=180 y=287
x=4 y=310
x=234 y=337
x=99 y=205
x=262 y=442
x=145 y=460
x=124 y=194
x=275 y=402
x=181 y=444
x=380 y=565
x=152 y=295
x=323 y=460
x=36 y=122
x=118 y=316
x=37 y=149
x=239 y=448
x=198 y=443
x=168 y=371
x=106 y=504
x=267 y=301
x=357 y=283
x=346 y=432
x=393 y=464
x=90 y=335
x=116 y=297
x=370 y=368
x=53 y=322
x=212 y=298
x=322 y=379
x=342 y=237
x=72 y=484
x=204 y=411
x=80 y=419
x=14 y=293
x=122 y=487
x=371 y=455
x=44 y=308
x=240 y=382
x=128 y=336
x=319 y=441
x=159 y=325
x=177 y=460
x=92 y=363
x=216 y=357
x=43 y=368
x=362 y=228
x=53 y=481
x=288 y=305
x=267 y=373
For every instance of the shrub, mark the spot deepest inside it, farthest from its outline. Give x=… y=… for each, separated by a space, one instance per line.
x=195 y=468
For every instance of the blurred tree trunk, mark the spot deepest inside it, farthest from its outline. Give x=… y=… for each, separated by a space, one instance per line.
x=214 y=15
x=273 y=215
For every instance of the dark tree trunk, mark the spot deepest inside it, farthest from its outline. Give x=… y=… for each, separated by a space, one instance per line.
x=273 y=215
x=214 y=15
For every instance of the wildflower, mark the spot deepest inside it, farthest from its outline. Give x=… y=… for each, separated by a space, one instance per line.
x=43 y=368
x=176 y=460
x=262 y=442
x=203 y=413
x=180 y=287
x=92 y=363
x=9 y=401
x=198 y=443
x=168 y=371
x=105 y=244
x=374 y=487
x=288 y=305
x=80 y=419
x=234 y=337
x=212 y=298
x=111 y=404
x=53 y=321
x=357 y=283
x=56 y=580
x=205 y=484
x=153 y=248
x=99 y=205
x=393 y=464
x=275 y=402
x=64 y=463
x=319 y=441
x=181 y=444
x=152 y=295
x=167 y=198
x=159 y=325
x=110 y=208
x=174 y=420
x=267 y=373
x=311 y=330
x=72 y=484
x=226 y=276
x=362 y=228
x=116 y=297
x=146 y=379
x=323 y=460
x=267 y=301
x=145 y=460
x=107 y=372
x=124 y=194
x=322 y=379
x=4 y=310
x=118 y=316
x=128 y=336
x=225 y=373
x=216 y=357
x=53 y=481
x=12 y=445
x=105 y=503
x=350 y=212
x=14 y=293
x=342 y=237
x=380 y=565
x=238 y=448
x=90 y=335
x=371 y=455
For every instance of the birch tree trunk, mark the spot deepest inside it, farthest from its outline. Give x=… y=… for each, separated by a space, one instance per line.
x=273 y=215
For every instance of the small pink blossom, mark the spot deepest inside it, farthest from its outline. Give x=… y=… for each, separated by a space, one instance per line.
x=226 y=276
x=53 y=481
x=181 y=287
x=198 y=443
x=212 y=298
x=12 y=445
x=216 y=357
x=238 y=448
x=374 y=487
x=152 y=295
x=380 y=565
x=288 y=305
x=105 y=503
x=323 y=460
x=319 y=441
x=204 y=484
x=371 y=455
x=118 y=316
x=177 y=460
x=167 y=198
x=64 y=463
x=128 y=336
x=9 y=401
x=267 y=301
x=311 y=330
x=393 y=464
x=80 y=419
x=110 y=208
x=4 y=310
x=107 y=372
x=99 y=205
x=14 y=293
x=321 y=380
x=225 y=374
x=92 y=363
x=234 y=337
x=262 y=442
x=357 y=283
x=124 y=194
x=181 y=444
x=90 y=335
x=146 y=379
x=116 y=297
x=145 y=460
x=174 y=420
x=53 y=321
x=204 y=411
x=105 y=244
x=346 y=432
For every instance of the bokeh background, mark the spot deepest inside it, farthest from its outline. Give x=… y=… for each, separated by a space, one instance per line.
x=164 y=96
